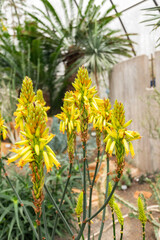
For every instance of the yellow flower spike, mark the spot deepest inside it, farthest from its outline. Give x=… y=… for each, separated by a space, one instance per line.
x=39 y=97
x=125 y=146
x=54 y=160
x=118 y=213
x=37 y=149
x=111 y=148
x=131 y=149
x=112 y=200
x=79 y=206
x=118 y=114
x=141 y=210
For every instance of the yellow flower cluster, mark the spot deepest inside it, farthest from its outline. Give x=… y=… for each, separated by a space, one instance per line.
x=32 y=117
x=27 y=96
x=141 y=210
x=114 y=206
x=69 y=116
x=83 y=101
x=119 y=138
x=83 y=106
x=102 y=116
x=79 y=206
x=3 y=128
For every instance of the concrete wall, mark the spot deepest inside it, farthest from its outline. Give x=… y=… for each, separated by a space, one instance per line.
x=130 y=84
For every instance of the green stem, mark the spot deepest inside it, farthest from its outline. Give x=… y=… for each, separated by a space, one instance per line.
x=62 y=198
x=105 y=203
x=143 y=226
x=45 y=221
x=95 y=214
x=59 y=211
x=84 y=182
x=101 y=159
x=106 y=193
x=79 y=224
x=90 y=195
x=113 y=220
x=84 y=192
x=16 y=193
x=89 y=179
x=39 y=228
x=121 y=232
x=77 y=159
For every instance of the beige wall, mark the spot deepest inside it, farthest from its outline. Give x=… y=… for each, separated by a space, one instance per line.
x=130 y=84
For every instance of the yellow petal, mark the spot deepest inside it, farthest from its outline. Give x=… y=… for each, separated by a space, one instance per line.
x=26 y=134
x=50 y=150
x=131 y=149
x=21 y=142
x=54 y=160
x=22 y=162
x=4 y=134
x=45 y=133
x=50 y=138
x=23 y=151
x=112 y=133
x=125 y=146
x=37 y=132
x=127 y=124
x=111 y=147
x=27 y=155
x=12 y=159
x=109 y=142
x=47 y=162
x=36 y=149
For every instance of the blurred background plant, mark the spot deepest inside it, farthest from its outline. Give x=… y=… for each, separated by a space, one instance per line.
x=50 y=49
x=12 y=212
x=153 y=19
x=8 y=99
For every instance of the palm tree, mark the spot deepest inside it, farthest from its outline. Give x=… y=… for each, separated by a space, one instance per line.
x=33 y=55
x=86 y=36
x=154 y=19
